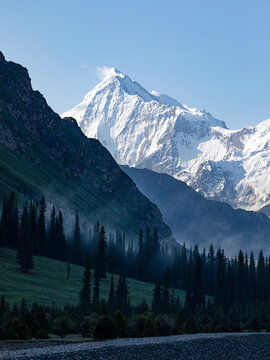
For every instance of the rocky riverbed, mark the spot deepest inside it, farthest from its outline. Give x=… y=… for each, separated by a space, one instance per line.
x=181 y=347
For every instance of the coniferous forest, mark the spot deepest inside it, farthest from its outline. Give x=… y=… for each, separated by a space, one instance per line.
x=237 y=289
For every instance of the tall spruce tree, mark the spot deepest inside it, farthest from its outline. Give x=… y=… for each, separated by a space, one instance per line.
x=241 y=279
x=140 y=256
x=85 y=295
x=9 y=225
x=252 y=279
x=199 y=299
x=111 y=294
x=33 y=228
x=220 y=291
x=41 y=228
x=156 y=302
x=24 y=252
x=95 y=299
x=51 y=250
x=76 y=243
x=60 y=239
x=165 y=291
x=189 y=297
x=3 y=235
x=100 y=268
x=260 y=276
x=120 y=295
x=12 y=221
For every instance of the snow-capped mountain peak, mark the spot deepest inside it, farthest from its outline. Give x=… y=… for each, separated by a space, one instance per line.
x=153 y=130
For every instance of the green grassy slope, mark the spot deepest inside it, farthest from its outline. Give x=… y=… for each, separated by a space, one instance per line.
x=47 y=282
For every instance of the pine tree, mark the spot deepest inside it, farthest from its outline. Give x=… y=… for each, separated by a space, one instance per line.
x=3 y=235
x=95 y=300
x=76 y=244
x=41 y=231
x=156 y=302
x=220 y=294
x=111 y=294
x=33 y=228
x=241 y=278
x=9 y=222
x=121 y=294
x=100 y=268
x=24 y=252
x=147 y=245
x=23 y=307
x=60 y=239
x=85 y=295
x=198 y=292
x=165 y=292
x=52 y=235
x=252 y=279
x=140 y=256
x=188 y=298
x=125 y=291
x=155 y=245
x=210 y=272
x=12 y=221
x=260 y=276
x=183 y=266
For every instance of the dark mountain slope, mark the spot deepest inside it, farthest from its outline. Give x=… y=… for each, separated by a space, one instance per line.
x=41 y=153
x=196 y=220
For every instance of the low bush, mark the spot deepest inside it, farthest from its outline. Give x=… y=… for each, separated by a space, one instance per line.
x=42 y=334
x=105 y=329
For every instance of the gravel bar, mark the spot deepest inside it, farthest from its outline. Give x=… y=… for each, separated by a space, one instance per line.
x=236 y=346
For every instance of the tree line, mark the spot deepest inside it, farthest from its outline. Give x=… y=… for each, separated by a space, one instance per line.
x=37 y=231
x=237 y=289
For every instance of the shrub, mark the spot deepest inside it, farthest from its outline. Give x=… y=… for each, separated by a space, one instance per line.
x=88 y=325
x=63 y=325
x=2 y=334
x=42 y=334
x=105 y=329
x=120 y=324
x=136 y=326
x=30 y=320
x=178 y=326
x=235 y=325
x=204 y=324
x=102 y=309
x=149 y=327
x=164 y=325
x=190 y=326
x=41 y=318
x=219 y=327
x=18 y=331
x=255 y=324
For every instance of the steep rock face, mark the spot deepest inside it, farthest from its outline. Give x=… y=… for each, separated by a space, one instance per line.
x=31 y=131
x=154 y=131
x=197 y=220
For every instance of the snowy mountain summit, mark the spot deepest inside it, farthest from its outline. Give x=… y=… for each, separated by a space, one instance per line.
x=155 y=131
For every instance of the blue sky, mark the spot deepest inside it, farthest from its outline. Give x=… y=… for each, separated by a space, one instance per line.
x=214 y=55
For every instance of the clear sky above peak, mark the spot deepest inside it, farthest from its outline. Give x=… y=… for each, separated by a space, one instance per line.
x=212 y=55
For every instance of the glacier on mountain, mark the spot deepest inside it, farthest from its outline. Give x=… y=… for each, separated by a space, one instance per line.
x=152 y=130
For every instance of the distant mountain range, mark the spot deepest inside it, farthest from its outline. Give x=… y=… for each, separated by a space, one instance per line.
x=196 y=220
x=42 y=154
x=154 y=131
